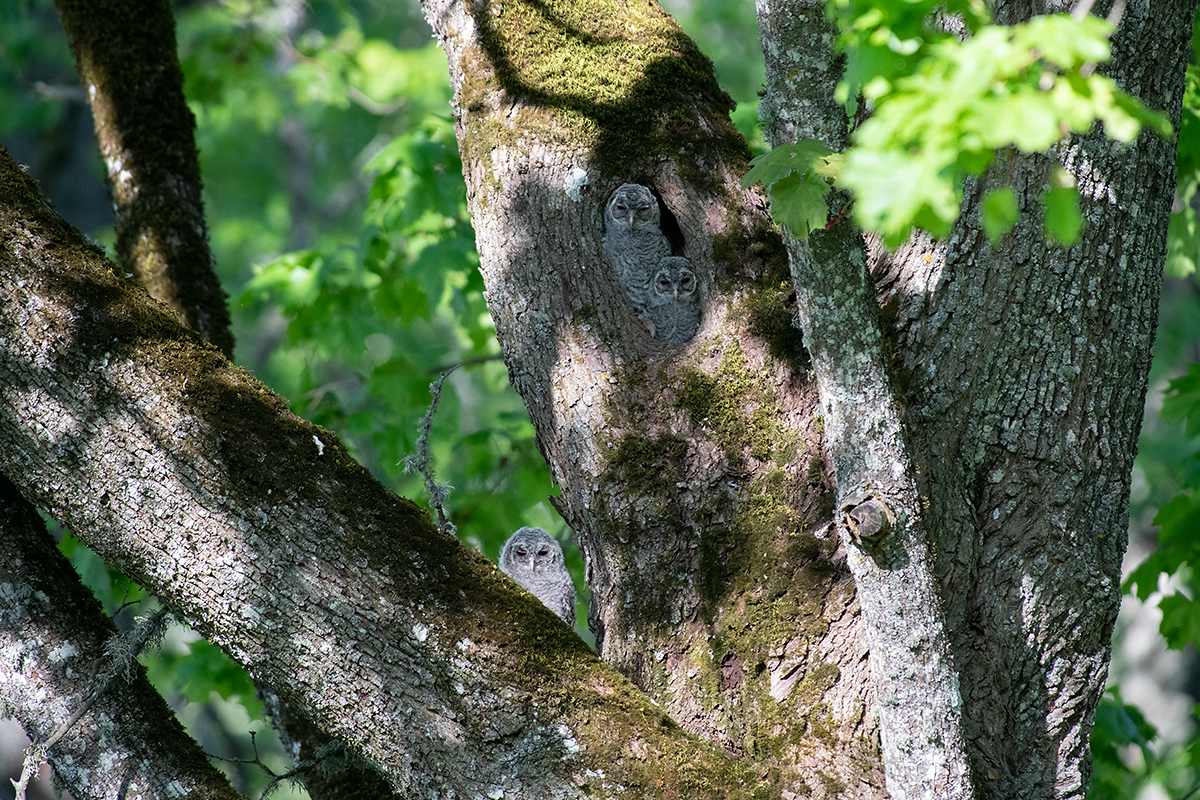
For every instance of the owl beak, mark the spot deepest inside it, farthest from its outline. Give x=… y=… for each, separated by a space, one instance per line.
x=676 y=291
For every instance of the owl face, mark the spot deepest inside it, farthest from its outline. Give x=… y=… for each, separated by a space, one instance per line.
x=678 y=283
x=634 y=206
x=531 y=550
x=536 y=555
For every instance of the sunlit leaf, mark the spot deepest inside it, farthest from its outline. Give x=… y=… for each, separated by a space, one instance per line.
x=999 y=212
x=1064 y=222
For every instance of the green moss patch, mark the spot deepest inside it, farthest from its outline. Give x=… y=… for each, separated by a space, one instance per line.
x=624 y=77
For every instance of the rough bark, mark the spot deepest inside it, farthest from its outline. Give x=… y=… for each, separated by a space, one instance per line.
x=191 y=478
x=1022 y=367
x=52 y=641
x=161 y=228
x=125 y=52
x=692 y=475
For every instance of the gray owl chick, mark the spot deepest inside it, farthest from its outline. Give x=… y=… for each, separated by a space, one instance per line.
x=533 y=559
x=673 y=307
x=633 y=241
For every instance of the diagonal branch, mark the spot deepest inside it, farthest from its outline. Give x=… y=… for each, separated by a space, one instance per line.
x=193 y=479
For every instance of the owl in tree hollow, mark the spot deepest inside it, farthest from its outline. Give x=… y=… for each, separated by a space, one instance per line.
x=673 y=307
x=533 y=559
x=633 y=241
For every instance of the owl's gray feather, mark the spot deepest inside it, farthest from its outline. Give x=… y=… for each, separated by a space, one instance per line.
x=673 y=305
x=633 y=242
x=534 y=559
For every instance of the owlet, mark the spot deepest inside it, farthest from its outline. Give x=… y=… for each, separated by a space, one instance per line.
x=633 y=241
x=673 y=307
x=533 y=559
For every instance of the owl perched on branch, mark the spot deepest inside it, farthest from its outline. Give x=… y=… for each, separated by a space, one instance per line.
x=534 y=559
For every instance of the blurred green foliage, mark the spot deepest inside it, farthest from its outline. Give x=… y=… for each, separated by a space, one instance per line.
x=1184 y=239
x=338 y=219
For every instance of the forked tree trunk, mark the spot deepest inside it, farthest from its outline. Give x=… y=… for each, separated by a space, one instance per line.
x=694 y=476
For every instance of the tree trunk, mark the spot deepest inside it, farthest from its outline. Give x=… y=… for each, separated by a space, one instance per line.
x=126 y=57
x=1025 y=367
x=1020 y=407
x=692 y=475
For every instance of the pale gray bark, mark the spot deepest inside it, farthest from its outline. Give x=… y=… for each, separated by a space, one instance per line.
x=52 y=646
x=879 y=516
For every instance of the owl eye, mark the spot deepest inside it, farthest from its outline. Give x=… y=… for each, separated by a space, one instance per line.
x=521 y=551
x=664 y=283
x=687 y=282
x=545 y=551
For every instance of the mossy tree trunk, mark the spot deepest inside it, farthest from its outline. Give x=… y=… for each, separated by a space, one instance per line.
x=190 y=477
x=992 y=408
x=126 y=56
x=693 y=475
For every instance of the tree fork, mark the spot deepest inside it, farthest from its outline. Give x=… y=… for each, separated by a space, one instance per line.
x=166 y=460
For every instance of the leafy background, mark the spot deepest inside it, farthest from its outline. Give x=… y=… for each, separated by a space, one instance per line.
x=338 y=219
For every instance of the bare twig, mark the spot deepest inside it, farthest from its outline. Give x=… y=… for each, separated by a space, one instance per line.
x=419 y=461
x=467 y=363
x=34 y=757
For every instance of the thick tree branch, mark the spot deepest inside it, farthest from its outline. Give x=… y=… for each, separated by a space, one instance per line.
x=125 y=52
x=190 y=477
x=52 y=644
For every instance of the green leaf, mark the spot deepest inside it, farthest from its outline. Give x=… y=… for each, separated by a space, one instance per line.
x=1120 y=723
x=770 y=167
x=1178 y=545
x=1183 y=236
x=781 y=162
x=1117 y=726
x=798 y=201
x=999 y=212
x=1180 y=624
x=1063 y=220
x=896 y=189
x=944 y=106
x=1182 y=401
